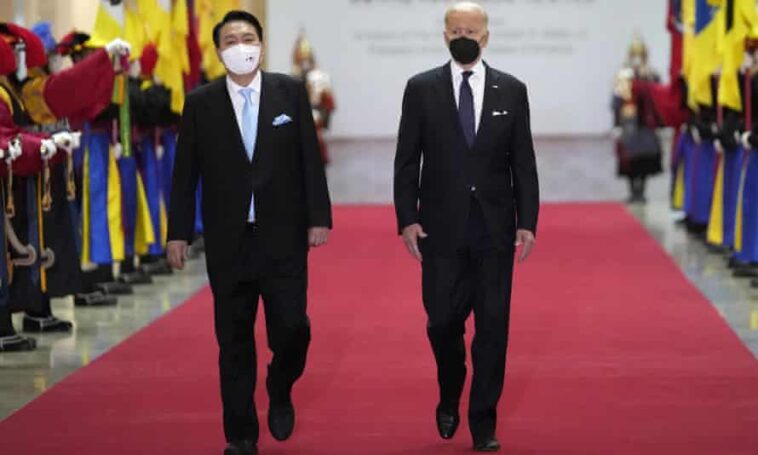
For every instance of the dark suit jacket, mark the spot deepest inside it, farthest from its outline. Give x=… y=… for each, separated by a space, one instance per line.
x=286 y=174
x=498 y=170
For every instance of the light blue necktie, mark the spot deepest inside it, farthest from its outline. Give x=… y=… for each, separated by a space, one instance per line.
x=249 y=133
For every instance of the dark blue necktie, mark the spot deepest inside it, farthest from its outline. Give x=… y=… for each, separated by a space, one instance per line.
x=466 y=109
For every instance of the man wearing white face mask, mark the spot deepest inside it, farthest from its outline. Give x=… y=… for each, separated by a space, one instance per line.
x=250 y=137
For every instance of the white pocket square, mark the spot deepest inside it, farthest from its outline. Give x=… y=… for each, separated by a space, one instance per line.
x=499 y=113
x=282 y=119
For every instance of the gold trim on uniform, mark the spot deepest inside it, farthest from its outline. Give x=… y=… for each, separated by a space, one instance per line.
x=33 y=95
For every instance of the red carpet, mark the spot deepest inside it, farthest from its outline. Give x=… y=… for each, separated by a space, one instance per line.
x=612 y=352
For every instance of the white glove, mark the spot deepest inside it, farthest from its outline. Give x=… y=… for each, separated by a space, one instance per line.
x=118 y=47
x=616 y=133
x=64 y=140
x=14 y=149
x=135 y=69
x=746 y=140
x=76 y=139
x=117 y=150
x=159 y=150
x=48 y=149
x=696 y=135
x=719 y=148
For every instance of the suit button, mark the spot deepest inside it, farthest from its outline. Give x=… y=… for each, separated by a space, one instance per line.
x=472 y=188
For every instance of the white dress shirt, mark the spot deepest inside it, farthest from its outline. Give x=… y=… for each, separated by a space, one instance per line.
x=238 y=103
x=476 y=80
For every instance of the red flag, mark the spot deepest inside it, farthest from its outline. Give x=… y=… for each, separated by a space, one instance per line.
x=192 y=79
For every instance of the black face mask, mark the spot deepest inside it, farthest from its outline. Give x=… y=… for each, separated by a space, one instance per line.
x=464 y=50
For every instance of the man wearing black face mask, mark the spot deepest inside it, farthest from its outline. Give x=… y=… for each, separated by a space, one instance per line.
x=477 y=199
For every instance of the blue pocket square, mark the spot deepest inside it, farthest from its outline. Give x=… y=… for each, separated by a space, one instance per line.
x=282 y=119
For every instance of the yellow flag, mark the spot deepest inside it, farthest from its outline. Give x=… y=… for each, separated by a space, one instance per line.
x=109 y=23
x=209 y=13
x=688 y=36
x=739 y=19
x=170 y=64
x=135 y=30
x=180 y=25
x=705 y=58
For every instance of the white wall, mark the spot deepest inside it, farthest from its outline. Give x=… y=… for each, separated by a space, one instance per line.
x=567 y=51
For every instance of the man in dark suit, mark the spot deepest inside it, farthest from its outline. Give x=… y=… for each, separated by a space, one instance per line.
x=250 y=137
x=476 y=200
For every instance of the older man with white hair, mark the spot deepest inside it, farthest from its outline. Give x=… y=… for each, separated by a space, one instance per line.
x=464 y=212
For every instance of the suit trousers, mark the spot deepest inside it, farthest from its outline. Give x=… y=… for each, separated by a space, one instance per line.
x=476 y=277
x=282 y=283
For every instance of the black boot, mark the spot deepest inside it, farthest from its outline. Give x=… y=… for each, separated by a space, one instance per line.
x=137 y=277
x=133 y=274
x=17 y=343
x=101 y=280
x=10 y=341
x=158 y=267
x=95 y=298
x=46 y=324
x=40 y=319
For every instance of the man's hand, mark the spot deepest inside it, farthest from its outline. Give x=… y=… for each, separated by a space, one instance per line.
x=318 y=236
x=177 y=253
x=525 y=240
x=411 y=234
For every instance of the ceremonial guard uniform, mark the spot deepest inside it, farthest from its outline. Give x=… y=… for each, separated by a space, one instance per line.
x=638 y=149
x=48 y=97
x=99 y=185
x=319 y=86
x=27 y=188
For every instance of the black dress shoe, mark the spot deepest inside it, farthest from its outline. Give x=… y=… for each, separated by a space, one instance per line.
x=241 y=448
x=137 y=277
x=47 y=324
x=17 y=343
x=746 y=271
x=281 y=420
x=447 y=422
x=114 y=288
x=487 y=445
x=158 y=268
x=96 y=298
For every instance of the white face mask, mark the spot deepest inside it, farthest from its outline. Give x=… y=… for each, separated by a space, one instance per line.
x=242 y=59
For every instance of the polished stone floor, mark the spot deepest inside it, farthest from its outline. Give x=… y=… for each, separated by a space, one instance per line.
x=361 y=173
